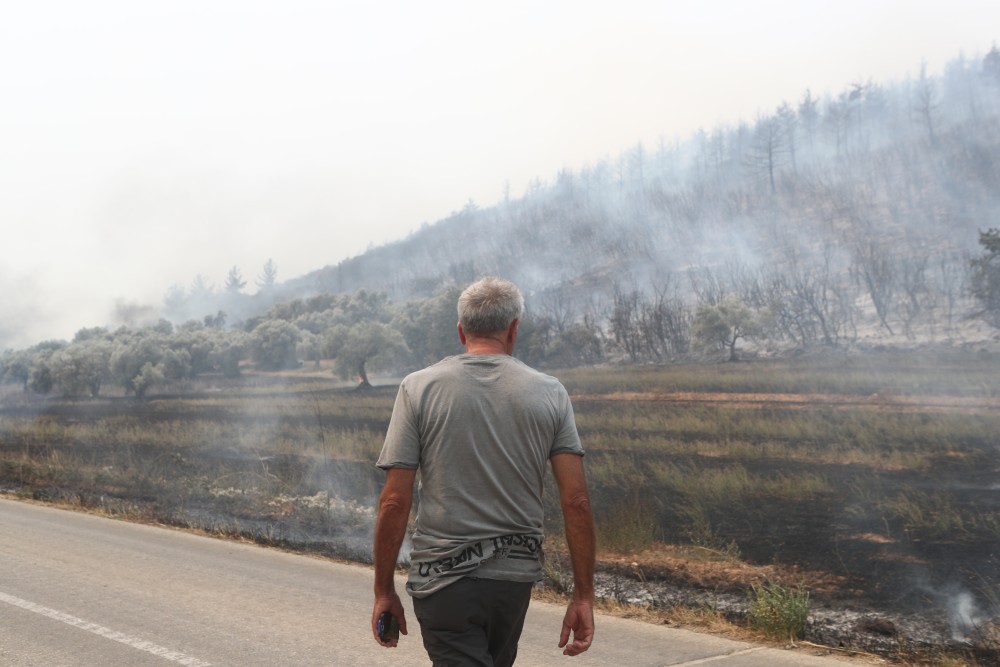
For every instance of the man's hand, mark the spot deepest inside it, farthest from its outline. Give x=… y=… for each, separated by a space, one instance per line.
x=579 y=620
x=393 y=605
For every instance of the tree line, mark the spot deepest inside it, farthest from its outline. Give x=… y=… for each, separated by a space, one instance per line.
x=365 y=331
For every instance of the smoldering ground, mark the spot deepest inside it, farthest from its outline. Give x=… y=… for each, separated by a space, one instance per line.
x=272 y=465
x=882 y=507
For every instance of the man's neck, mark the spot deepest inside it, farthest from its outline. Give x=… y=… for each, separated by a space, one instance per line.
x=497 y=342
x=485 y=346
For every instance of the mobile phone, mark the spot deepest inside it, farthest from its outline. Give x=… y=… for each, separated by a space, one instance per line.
x=388 y=628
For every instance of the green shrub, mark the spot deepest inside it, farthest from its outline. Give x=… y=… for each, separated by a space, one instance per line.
x=779 y=611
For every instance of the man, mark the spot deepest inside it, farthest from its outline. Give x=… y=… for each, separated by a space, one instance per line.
x=480 y=427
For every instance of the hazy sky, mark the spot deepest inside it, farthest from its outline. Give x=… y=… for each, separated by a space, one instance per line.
x=145 y=142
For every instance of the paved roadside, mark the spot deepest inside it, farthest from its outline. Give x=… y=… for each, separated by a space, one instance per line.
x=625 y=642
x=81 y=590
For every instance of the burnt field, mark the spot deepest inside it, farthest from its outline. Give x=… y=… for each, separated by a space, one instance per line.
x=870 y=480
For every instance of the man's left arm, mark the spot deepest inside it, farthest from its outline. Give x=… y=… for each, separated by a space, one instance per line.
x=390 y=529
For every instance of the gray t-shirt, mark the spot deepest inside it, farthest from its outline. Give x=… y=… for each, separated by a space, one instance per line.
x=481 y=429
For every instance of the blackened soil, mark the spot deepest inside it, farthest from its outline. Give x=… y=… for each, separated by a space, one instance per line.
x=933 y=578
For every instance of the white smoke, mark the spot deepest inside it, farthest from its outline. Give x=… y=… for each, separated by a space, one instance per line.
x=965 y=617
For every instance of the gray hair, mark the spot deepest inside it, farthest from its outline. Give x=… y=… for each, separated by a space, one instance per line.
x=489 y=305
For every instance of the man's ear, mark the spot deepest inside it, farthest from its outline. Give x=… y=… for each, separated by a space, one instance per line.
x=461 y=334
x=512 y=333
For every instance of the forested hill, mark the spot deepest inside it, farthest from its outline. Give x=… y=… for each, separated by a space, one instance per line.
x=876 y=194
x=869 y=216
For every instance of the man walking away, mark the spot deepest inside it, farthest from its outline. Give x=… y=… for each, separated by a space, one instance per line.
x=481 y=428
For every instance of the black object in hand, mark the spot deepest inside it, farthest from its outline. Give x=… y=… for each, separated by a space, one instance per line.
x=388 y=628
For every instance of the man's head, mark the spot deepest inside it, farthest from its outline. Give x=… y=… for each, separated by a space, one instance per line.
x=489 y=307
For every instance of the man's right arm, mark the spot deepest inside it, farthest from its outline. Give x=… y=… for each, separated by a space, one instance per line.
x=575 y=501
x=390 y=529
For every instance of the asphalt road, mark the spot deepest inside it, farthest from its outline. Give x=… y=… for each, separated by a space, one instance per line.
x=77 y=589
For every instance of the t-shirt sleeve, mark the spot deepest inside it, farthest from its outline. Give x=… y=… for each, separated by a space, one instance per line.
x=401 y=448
x=567 y=440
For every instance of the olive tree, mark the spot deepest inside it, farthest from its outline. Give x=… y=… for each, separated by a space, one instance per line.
x=368 y=343
x=273 y=344
x=227 y=353
x=148 y=376
x=83 y=367
x=137 y=361
x=40 y=378
x=722 y=325
x=429 y=327
x=310 y=347
x=32 y=368
x=15 y=367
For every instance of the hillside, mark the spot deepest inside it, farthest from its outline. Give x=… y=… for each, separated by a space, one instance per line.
x=841 y=220
x=877 y=192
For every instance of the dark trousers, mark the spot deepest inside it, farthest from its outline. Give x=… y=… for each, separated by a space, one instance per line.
x=473 y=622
